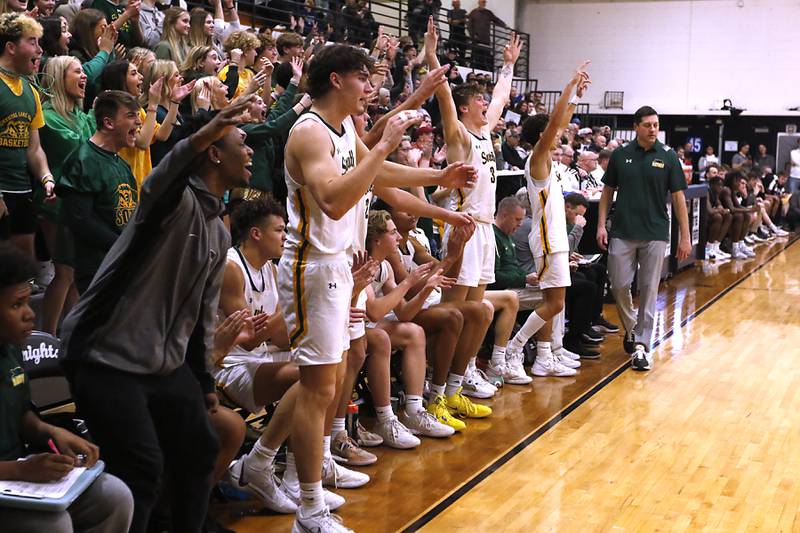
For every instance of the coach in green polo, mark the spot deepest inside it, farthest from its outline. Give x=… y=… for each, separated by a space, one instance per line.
x=641 y=173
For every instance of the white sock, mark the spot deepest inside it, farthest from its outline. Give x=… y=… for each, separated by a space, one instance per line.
x=413 y=405
x=312 y=499
x=437 y=390
x=384 y=413
x=290 y=474
x=326 y=447
x=338 y=425
x=498 y=355
x=260 y=456
x=528 y=330
x=543 y=350
x=454 y=382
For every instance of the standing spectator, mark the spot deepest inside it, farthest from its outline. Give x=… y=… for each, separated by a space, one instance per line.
x=124 y=18
x=66 y=127
x=479 y=23
x=158 y=383
x=686 y=163
x=242 y=47
x=202 y=31
x=21 y=154
x=457 y=21
x=98 y=190
x=794 y=170
x=641 y=174
x=151 y=23
x=742 y=158
x=510 y=150
x=175 y=37
x=201 y=61
x=707 y=159
x=763 y=159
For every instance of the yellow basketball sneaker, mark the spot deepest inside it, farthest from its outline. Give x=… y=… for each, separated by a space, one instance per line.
x=462 y=406
x=438 y=408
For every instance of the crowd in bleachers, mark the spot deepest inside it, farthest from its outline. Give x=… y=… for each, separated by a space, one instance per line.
x=164 y=244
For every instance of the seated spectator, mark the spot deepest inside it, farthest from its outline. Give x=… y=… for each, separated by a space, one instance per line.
x=779 y=188
x=174 y=42
x=201 y=61
x=97 y=189
x=107 y=505
x=719 y=220
x=763 y=160
x=731 y=198
x=602 y=164
x=510 y=149
x=707 y=159
x=585 y=166
x=766 y=204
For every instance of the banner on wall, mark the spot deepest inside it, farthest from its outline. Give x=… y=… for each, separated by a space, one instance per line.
x=695 y=221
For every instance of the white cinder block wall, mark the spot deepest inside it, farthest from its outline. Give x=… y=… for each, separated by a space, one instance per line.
x=681 y=57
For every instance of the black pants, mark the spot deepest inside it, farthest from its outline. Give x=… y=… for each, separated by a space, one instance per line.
x=482 y=56
x=597 y=273
x=579 y=304
x=142 y=423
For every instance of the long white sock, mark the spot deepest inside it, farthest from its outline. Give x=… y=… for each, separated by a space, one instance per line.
x=413 y=405
x=312 y=499
x=338 y=425
x=384 y=413
x=290 y=474
x=260 y=456
x=543 y=350
x=326 y=447
x=528 y=330
x=454 y=382
x=498 y=355
x=437 y=390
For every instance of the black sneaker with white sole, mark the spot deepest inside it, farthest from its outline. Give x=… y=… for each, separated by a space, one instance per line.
x=640 y=359
x=604 y=326
x=592 y=336
x=628 y=342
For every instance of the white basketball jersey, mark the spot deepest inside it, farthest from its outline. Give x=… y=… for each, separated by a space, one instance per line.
x=479 y=201
x=309 y=226
x=549 y=226
x=261 y=296
x=361 y=220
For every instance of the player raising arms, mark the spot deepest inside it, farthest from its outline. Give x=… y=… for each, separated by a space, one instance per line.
x=328 y=172
x=468 y=120
x=548 y=237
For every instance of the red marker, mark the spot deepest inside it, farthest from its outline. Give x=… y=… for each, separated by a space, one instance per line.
x=52 y=445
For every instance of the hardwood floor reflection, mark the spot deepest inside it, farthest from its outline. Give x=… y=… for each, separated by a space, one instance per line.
x=707 y=441
x=407 y=483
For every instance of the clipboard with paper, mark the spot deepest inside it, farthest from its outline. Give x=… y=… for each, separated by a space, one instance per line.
x=53 y=496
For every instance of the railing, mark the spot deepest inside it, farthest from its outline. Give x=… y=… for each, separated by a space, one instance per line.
x=393 y=16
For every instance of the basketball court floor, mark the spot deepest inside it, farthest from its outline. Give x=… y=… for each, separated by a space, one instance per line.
x=707 y=440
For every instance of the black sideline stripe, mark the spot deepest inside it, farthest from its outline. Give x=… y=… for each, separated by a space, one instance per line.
x=558 y=417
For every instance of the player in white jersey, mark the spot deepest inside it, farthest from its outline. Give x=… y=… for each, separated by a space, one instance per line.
x=328 y=171
x=548 y=237
x=468 y=120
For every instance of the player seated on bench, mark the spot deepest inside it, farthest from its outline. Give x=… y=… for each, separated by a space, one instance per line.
x=107 y=505
x=257 y=371
x=458 y=328
x=388 y=310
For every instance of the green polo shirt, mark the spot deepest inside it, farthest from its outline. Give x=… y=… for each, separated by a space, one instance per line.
x=642 y=179
x=15 y=397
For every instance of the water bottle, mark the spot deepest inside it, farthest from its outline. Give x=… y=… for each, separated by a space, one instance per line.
x=351 y=422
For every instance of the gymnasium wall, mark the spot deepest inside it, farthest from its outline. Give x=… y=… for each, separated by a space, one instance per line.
x=682 y=57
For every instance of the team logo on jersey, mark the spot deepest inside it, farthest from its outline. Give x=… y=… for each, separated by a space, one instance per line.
x=15 y=130
x=658 y=163
x=486 y=157
x=348 y=162
x=126 y=204
x=629 y=160
x=331 y=285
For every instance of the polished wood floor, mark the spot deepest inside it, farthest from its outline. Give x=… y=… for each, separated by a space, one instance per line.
x=706 y=440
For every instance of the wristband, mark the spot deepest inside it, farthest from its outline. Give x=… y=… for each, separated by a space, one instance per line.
x=174 y=102
x=575 y=100
x=44 y=179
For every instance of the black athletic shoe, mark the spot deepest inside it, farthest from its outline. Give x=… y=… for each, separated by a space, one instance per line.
x=604 y=326
x=628 y=343
x=581 y=349
x=592 y=336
